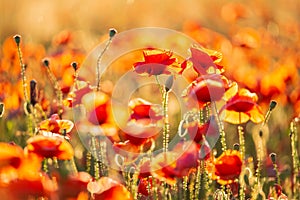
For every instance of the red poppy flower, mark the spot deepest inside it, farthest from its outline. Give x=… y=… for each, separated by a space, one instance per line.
x=197 y=131
x=242 y=107
x=97 y=107
x=145 y=168
x=50 y=146
x=73 y=185
x=40 y=187
x=163 y=165
x=207 y=88
x=205 y=61
x=142 y=109
x=56 y=125
x=108 y=189
x=82 y=88
x=227 y=167
x=140 y=131
x=157 y=62
x=145 y=185
x=190 y=152
x=167 y=166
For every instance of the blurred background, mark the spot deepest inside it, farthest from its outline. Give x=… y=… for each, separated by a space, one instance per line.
x=40 y=20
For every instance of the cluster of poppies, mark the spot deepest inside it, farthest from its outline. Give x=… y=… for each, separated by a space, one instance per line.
x=129 y=162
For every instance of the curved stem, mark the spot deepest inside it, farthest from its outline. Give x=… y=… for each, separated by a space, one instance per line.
x=24 y=80
x=99 y=62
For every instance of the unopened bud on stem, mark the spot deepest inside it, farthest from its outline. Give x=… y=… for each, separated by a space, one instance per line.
x=74 y=65
x=112 y=32
x=17 y=39
x=46 y=62
x=272 y=105
x=273 y=157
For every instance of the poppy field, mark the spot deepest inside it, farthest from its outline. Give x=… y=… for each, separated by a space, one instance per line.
x=144 y=106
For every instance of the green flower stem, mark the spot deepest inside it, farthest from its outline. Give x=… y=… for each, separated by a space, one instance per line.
x=27 y=106
x=103 y=171
x=242 y=151
x=161 y=88
x=295 y=159
x=179 y=188
x=99 y=63
x=24 y=80
x=277 y=173
x=95 y=158
x=166 y=127
x=45 y=165
x=185 y=187
x=220 y=126
x=73 y=166
x=191 y=186
x=57 y=88
x=259 y=166
x=88 y=162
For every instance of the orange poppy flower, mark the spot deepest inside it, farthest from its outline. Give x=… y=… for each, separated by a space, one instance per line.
x=143 y=124
x=50 y=146
x=227 y=167
x=142 y=109
x=206 y=88
x=97 y=107
x=10 y=156
x=157 y=62
x=56 y=125
x=30 y=167
x=167 y=166
x=127 y=150
x=15 y=164
x=40 y=187
x=73 y=185
x=247 y=37
x=108 y=189
x=163 y=165
x=242 y=107
x=205 y=60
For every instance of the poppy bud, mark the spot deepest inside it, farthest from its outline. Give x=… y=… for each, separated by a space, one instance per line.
x=33 y=92
x=17 y=39
x=273 y=157
x=74 y=65
x=112 y=32
x=272 y=105
x=236 y=146
x=46 y=62
x=2 y=109
x=169 y=83
x=260 y=133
